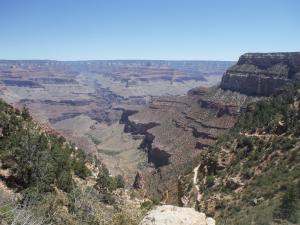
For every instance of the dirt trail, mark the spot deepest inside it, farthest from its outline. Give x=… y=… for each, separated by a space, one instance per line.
x=257 y=135
x=265 y=135
x=196 y=169
x=196 y=188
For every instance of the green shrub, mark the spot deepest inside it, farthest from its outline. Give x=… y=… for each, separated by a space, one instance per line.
x=147 y=205
x=210 y=181
x=120 y=182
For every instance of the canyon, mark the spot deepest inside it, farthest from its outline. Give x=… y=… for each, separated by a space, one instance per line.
x=228 y=150
x=87 y=101
x=150 y=118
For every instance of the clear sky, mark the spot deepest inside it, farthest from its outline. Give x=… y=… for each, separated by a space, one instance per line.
x=146 y=29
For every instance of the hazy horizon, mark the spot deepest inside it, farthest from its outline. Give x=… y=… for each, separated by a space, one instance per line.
x=172 y=60
x=82 y=60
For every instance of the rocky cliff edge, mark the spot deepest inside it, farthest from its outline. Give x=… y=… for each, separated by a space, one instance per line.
x=260 y=74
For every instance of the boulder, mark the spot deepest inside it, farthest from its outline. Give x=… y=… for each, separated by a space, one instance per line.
x=173 y=215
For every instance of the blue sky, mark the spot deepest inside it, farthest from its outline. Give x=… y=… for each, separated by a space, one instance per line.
x=146 y=29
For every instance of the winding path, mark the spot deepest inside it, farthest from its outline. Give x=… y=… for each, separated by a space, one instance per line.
x=196 y=186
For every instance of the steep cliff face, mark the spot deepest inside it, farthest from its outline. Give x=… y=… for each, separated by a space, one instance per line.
x=260 y=74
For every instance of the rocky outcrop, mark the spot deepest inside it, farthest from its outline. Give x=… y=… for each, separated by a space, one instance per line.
x=198 y=91
x=222 y=109
x=138 y=128
x=260 y=74
x=172 y=215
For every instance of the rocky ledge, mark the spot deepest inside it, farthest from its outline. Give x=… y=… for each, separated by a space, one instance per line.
x=260 y=74
x=172 y=215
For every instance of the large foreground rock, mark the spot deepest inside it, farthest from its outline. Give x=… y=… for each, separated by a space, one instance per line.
x=172 y=215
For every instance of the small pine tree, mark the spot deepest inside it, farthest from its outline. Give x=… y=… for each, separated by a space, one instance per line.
x=103 y=180
x=120 y=182
x=25 y=113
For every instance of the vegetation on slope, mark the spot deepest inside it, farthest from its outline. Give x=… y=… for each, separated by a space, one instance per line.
x=252 y=174
x=38 y=161
x=49 y=181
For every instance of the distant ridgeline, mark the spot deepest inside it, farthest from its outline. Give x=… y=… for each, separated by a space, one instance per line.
x=260 y=74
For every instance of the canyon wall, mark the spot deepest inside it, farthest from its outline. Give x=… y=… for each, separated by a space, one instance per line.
x=260 y=74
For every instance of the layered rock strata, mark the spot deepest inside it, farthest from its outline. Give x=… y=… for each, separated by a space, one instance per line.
x=261 y=74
